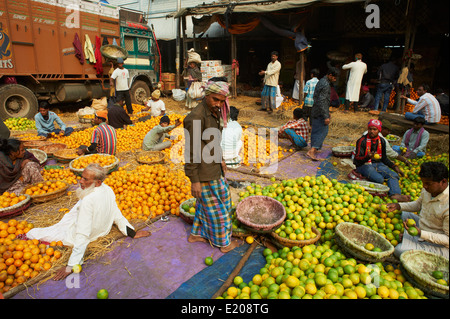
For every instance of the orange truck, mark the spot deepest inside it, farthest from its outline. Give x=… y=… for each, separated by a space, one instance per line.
x=50 y=51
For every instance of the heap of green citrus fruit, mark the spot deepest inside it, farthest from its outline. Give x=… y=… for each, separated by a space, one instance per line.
x=20 y=124
x=322 y=272
x=323 y=203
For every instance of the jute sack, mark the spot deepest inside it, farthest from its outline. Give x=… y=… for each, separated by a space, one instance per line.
x=193 y=56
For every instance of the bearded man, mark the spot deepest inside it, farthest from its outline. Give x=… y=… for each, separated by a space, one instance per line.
x=91 y=217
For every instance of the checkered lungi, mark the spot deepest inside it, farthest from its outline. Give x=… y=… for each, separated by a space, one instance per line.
x=212 y=213
x=269 y=97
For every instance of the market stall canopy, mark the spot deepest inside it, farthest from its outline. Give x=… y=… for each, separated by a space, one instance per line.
x=252 y=6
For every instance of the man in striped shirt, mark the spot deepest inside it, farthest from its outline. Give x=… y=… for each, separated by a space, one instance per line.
x=308 y=90
x=427 y=106
x=104 y=138
x=296 y=130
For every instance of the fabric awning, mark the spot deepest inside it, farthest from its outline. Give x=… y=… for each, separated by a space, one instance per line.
x=252 y=6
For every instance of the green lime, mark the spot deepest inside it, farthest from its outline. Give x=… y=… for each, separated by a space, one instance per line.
x=209 y=261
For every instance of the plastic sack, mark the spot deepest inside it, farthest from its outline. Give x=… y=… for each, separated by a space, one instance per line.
x=178 y=95
x=100 y=104
x=193 y=56
x=195 y=90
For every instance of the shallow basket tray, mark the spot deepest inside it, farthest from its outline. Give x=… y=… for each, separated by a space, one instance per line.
x=394 y=138
x=109 y=168
x=286 y=242
x=377 y=189
x=352 y=239
x=16 y=209
x=244 y=213
x=36 y=144
x=419 y=265
x=61 y=158
x=52 y=148
x=40 y=155
x=48 y=197
x=188 y=218
x=343 y=151
x=161 y=157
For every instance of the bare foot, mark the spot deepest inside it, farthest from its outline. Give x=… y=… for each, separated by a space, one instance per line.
x=195 y=239
x=230 y=247
x=311 y=156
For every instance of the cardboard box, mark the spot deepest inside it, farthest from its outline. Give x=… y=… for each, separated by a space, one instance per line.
x=169 y=85
x=167 y=77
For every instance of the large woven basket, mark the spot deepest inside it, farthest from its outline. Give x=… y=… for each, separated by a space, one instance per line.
x=50 y=149
x=66 y=155
x=159 y=157
x=36 y=144
x=352 y=238
x=373 y=188
x=419 y=265
x=16 y=209
x=40 y=155
x=343 y=151
x=286 y=242
x=187 y=217
x=109 y=168
x=392 y=139
x=260 y=214
x=50 y=196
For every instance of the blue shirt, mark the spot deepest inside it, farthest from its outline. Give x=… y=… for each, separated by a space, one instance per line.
x=309 y=91
x=46 y=126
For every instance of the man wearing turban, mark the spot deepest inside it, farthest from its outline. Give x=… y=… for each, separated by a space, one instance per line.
x=206 y=169
x=372 y=162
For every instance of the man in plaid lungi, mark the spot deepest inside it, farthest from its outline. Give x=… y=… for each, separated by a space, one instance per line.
x=206 y=169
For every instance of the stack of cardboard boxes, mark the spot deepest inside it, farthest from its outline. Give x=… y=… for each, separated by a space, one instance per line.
x=167 y=81
x=214 y=68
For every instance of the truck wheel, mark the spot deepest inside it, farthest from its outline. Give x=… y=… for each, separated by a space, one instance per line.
x=139 y=92
x=17 y=101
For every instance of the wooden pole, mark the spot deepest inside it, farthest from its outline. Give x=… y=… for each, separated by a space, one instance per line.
x=235 y=271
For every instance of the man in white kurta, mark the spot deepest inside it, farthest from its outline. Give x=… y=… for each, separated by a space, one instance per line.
x=92 y=217
x=357 y=71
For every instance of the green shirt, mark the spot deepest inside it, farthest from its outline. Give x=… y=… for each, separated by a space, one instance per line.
x=156 y=136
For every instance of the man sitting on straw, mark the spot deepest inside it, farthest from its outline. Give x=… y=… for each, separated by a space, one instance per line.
x=154 y=139
x=91 y=217
x=206 y=169
x=433 y=217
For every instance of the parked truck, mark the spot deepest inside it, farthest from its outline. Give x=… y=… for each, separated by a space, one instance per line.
x=42 y=48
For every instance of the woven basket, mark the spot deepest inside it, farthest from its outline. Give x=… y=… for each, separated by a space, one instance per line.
x=286 y=242
x=160 y=157
x=36 y=144
x=109 y=168
x=112 y=52
x=85 y=120
x=419 y=265
x=343 y=151
x=63 y=156
x=376 y=189
x=353 y=237
x=392 y=138
x=187 y=217
x=40 y=155
x=260 y=214
x=17 y=209
x=24 y=139
x=52 y=148
x=50 y=196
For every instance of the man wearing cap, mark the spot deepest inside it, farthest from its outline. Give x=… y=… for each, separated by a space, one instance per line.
x=206 y=169
x=119 y=80
x=372 y=162
x=154 y=139
x=357 y=70
x=156 y=106
x=367 y=100
x=104 y=138
x=117 y=116
x=390 y=152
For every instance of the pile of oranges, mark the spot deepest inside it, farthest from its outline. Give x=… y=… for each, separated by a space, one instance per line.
x=149 y=190
x=259 y=151
x=21 y=259
x=63 y=174
x=102 y=160
x=29 y=137
x=8 y=199
x=44 y=188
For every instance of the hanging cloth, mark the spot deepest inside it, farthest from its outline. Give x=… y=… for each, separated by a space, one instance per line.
x=78 y=48
x=98 y=56
x=89 y=50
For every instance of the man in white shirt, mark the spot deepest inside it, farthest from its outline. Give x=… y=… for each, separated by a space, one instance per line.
x=119 y=80
x=156 y=106
x=432 y=208
x=357 y=71
x=232 y=140
x=91 y=217
x=427 y=106
x=271 y=76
